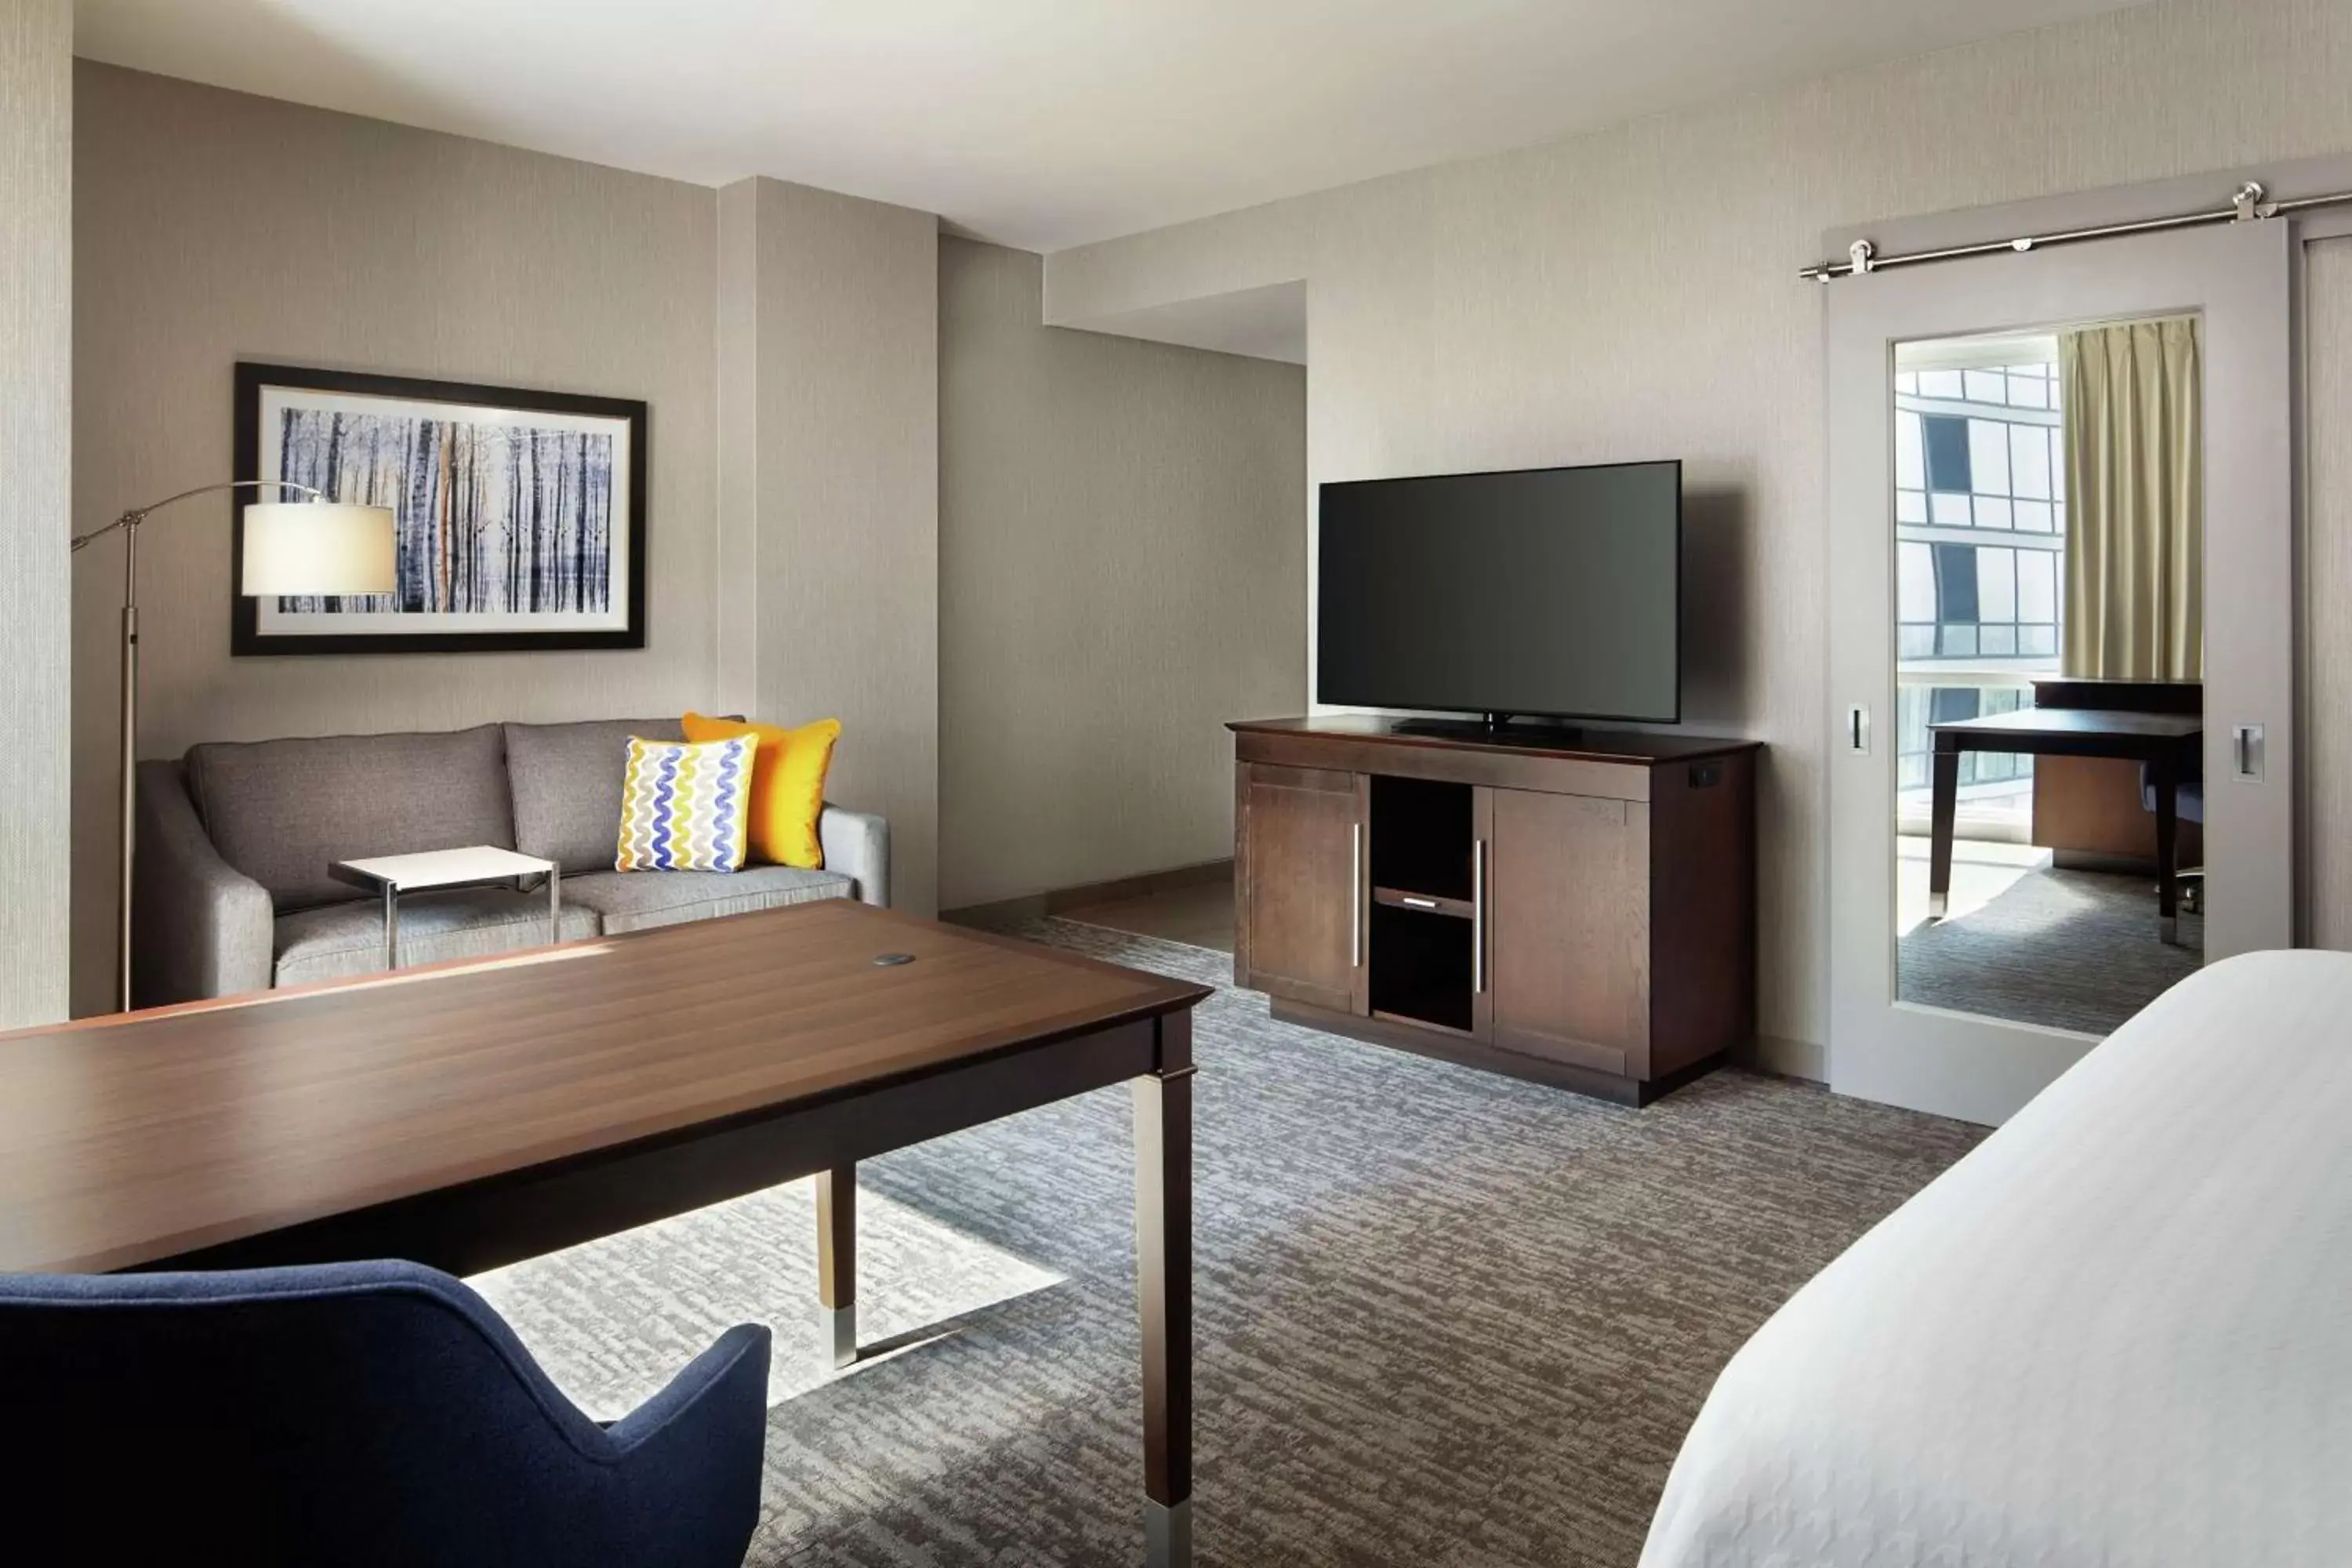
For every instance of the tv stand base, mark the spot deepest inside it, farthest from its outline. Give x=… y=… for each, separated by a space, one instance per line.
x=1452 y=1045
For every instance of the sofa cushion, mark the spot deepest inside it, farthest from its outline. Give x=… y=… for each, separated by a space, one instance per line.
x=639 y=900
x=566 y=780
x=685 y=806
x=333 y=941
x=281 y=812
x=787 y=783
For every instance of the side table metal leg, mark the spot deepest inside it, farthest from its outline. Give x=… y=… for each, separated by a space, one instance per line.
x=554 y=905
x=392 y=928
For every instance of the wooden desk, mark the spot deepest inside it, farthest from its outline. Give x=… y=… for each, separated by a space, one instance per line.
x=469 y=1114
x=2167 y=742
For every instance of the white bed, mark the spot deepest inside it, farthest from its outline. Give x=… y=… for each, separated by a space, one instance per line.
x=2119 y=1332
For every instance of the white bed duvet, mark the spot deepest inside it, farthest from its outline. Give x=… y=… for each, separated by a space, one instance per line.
x=2119 y=1332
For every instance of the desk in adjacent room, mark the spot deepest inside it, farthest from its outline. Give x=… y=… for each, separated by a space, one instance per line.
x=2167 y=742
x=2092 y=811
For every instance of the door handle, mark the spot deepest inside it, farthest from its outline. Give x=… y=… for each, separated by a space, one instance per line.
x=1857 y=729
x=1355 y=894
x=2246 y=753
x=1477 y=917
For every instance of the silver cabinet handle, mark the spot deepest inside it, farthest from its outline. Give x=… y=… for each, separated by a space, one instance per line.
x=1355 y=894
x=1477 y=917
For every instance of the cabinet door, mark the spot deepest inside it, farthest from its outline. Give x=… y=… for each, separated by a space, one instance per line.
x=1566 y=922
x=1299 y=865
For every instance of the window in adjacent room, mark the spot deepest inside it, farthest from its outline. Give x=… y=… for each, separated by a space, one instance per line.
x=1980 y=542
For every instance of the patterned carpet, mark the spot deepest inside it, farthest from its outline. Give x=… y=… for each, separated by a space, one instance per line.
x=1444 y=1318
x=2070 y=950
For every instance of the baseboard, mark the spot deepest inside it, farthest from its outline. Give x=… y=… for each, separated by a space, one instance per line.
x=1807 y=1059
x=1060 y=900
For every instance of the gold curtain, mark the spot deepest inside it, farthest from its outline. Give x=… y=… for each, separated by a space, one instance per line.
x=2135 y=427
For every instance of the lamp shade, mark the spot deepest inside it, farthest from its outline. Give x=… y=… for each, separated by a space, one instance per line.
x=318 y=547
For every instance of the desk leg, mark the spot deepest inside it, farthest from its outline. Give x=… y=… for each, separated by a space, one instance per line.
x=837 y=1258
x=2165 y=774
x=1939 y=827
x=1163 y=1265
x=391 y=928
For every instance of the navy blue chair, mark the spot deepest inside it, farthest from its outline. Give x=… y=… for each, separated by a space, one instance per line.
x=363 y=1413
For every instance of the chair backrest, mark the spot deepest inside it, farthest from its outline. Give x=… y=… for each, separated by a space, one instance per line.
x=367 y=1412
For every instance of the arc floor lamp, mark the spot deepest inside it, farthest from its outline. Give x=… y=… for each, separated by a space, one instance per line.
x=315 y=546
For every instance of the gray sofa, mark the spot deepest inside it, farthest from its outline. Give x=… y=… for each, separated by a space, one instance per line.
x=234 y=839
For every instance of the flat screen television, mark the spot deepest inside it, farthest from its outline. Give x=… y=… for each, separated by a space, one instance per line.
x=1543 y=591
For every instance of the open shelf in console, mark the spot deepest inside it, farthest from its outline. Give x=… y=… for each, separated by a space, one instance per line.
x=1419 y=925
x=1421 y=966
x=1427 y=903
x=1421 y=838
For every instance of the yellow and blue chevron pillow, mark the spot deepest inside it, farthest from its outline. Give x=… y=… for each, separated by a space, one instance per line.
x=685 y=806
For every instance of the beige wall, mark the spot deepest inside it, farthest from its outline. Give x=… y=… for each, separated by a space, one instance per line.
x=2327 y=737
x=211 y=227
x=1630 y=294
x=830 y=321
x=1121 y=573
x=737 y=607
x=788 y=342
x=36 y=478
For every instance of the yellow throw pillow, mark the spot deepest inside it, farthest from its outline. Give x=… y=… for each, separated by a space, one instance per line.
x=685 y=807
x=787 y=783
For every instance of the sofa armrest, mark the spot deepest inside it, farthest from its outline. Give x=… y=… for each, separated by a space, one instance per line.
x=857 y=844
x=199 y=927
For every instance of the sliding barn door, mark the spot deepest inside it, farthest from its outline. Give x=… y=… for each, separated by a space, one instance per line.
x=1951 y=1058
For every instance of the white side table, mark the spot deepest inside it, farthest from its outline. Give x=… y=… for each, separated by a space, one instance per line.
x=479 y=866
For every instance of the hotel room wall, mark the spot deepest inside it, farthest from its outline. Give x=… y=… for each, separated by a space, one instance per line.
x=833 y=302
x=1120 y=573
x=2327 y=628
x=35 y=488
x=1631 y=294
x=211 y=227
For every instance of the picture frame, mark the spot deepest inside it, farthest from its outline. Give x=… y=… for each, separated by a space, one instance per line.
x=521 y=514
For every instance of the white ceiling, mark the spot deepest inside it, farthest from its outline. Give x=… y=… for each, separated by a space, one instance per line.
x=1041 y=123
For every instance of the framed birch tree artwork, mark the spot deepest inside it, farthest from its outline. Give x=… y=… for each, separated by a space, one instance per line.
x=521 y=515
